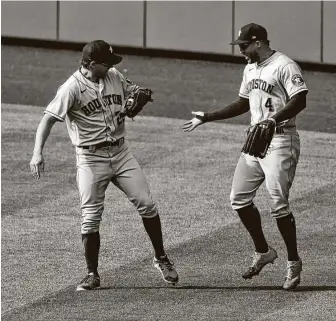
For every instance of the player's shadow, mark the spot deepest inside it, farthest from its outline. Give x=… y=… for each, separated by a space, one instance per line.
x=306 y=288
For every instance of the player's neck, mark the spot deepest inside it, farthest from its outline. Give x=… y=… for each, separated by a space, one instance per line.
x=88 y=74
x=266 y=54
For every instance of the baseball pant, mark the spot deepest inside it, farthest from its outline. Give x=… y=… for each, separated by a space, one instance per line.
x=95 y=170
x=277 y=169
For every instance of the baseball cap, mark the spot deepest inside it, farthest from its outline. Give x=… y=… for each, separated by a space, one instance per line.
x=101 y=52
x=250 y=32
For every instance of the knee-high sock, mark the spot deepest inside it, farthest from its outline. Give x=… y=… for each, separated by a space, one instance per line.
x=250 y=217
x=287 y=228
x=91 y=244
x=153 y=229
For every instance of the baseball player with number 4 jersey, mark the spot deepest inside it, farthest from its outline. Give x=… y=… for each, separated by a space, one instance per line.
x=94 y=102
x=274 y=92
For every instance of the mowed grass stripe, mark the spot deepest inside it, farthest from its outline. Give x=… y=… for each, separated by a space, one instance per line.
x=211 y=289
x=179 y=168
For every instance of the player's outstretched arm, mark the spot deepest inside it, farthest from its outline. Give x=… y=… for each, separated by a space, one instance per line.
x=42 y=133
x=195 y=122
x=237 y=108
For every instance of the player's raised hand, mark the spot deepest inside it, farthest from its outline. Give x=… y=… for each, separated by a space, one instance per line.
x=195 y=122
x=37 y=165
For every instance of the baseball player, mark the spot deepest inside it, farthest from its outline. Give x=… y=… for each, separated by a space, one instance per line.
x=274 y=92
x=92 y=103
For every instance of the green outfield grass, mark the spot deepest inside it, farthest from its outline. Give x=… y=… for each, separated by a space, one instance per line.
x=190 y=178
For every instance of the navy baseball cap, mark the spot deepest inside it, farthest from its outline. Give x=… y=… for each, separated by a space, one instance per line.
x=101 y=52
x=249 y=33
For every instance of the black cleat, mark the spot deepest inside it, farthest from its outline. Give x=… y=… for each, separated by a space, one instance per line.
x=166 y=268
x=90 y=282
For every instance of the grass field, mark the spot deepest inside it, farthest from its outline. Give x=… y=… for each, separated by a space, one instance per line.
x=190 y=178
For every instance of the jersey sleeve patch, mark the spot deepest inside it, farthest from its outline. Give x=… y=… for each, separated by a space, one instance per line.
x=297 y=80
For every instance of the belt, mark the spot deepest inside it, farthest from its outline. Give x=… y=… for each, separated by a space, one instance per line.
x=280 y=130
x=118 y=143
x=285 y=130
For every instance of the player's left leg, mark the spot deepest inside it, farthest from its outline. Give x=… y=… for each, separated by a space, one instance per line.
x=279 y=167
x=247 y=178
x=130 y=179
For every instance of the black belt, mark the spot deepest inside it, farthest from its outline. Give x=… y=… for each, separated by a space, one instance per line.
x=278 y=130
x=118 y=142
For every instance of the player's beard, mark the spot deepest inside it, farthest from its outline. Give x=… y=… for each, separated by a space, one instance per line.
x=102 y=74
x=252 y=57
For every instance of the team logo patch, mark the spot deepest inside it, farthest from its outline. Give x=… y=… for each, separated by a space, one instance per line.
x=297 y=80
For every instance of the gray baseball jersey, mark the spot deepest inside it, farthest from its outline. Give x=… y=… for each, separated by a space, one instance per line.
x=270 y=85
x=92 y=110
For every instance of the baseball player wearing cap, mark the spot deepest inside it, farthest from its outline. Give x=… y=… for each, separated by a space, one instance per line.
x=91 y=102
x=272 y=89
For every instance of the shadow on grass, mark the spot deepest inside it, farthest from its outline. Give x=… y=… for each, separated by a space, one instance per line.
x=204 y=253
x=307 y=288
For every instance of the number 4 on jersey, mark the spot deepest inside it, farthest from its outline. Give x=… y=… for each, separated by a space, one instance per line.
x=269 y=104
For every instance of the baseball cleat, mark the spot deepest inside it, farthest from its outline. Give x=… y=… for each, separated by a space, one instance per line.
x=292 y=280
x=166 y=268
x=90 y=282
x=259 y=261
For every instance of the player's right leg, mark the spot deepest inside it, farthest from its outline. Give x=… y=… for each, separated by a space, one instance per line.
x=264 y=254
x=131 y=180
x=247 y=178
x=93 y=177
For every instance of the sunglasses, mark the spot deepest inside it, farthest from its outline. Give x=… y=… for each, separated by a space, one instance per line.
x=243 y=46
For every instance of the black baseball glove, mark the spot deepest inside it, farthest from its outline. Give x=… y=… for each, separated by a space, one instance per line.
x=137 y=100
x=259 y=138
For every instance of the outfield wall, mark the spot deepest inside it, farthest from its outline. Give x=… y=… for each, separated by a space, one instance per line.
x=305 y=30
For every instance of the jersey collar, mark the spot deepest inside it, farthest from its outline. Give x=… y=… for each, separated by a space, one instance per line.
x=272 y=57
x=87 y=79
